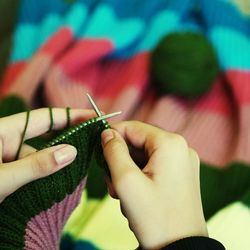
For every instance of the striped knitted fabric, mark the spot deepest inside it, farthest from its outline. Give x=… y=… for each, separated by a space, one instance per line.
x=66 y=48
x=33 y=217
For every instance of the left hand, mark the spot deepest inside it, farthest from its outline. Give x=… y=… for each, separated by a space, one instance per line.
x=33 y=164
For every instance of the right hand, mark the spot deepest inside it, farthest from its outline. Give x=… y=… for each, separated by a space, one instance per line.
x=162 y=202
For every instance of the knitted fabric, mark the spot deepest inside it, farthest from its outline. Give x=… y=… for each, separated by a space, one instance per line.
x=61 y=50
x=34 y=215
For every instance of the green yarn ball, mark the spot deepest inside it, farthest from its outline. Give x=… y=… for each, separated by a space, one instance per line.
x=184 y=64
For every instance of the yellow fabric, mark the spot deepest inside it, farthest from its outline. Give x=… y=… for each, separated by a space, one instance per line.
x=231 y=226
x=102 y=223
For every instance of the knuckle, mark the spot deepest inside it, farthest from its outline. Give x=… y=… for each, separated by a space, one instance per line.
x=39 y=165
x=113 y=145
x=179 y=141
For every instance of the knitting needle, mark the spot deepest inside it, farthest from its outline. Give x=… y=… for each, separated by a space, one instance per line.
x=103 y=117
x=97 y=110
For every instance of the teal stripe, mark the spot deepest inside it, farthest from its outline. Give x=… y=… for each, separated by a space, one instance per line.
x=23 y=42
x=233 y=48
x=105 y=24
x=29 y=37
x=162 y=23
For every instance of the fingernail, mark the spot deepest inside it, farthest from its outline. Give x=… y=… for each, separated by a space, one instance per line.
x=65 y=154
x=107 y=135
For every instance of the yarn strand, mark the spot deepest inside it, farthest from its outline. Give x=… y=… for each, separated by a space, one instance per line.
x=23 y=134
x=51 y=119
x=68 y=117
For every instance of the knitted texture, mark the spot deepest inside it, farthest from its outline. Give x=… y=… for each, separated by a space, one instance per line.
x=34 y=215
x=61 y=50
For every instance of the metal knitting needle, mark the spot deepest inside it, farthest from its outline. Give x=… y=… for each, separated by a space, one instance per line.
x=97 y=110
x=104 y=117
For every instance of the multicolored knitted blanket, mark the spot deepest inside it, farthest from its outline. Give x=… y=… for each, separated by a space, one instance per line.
x=53 y=52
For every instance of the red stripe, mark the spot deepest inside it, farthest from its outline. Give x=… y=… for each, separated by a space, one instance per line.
x=11 y=74
x=83 y=52
x=118 y=74
x=240 y=84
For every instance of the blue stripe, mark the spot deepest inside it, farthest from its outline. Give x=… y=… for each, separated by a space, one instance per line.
x=222 y=13
x=34 y=11
x=146 y=9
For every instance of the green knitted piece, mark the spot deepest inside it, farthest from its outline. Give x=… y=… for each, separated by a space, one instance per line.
x=30 y=200
x=221 y=187
x=184 y=64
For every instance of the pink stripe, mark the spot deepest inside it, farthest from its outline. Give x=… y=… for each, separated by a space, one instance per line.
x=212 y=136
x=168 y=113
x=44 y=230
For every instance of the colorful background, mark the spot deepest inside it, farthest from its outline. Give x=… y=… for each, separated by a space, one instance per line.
x=53 y=52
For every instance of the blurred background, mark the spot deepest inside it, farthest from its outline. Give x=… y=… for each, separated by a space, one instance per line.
x=183 y=65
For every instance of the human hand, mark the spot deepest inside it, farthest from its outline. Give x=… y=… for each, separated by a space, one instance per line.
x=162 y=202
x=33 y=164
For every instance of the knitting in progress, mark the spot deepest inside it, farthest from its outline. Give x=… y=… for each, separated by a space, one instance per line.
x=52 y=52
x=33 y=217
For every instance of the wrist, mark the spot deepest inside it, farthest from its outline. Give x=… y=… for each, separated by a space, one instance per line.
x=159 y=240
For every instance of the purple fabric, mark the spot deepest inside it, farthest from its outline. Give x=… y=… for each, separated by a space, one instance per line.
x=44 y=230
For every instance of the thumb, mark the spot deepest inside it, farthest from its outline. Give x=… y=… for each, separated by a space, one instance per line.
x=117 y=155
x=36 y=165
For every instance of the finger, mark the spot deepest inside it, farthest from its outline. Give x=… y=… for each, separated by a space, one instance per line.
x=37 y=165
x=26 y=150
x=12 y=127
x=141 y=135
x=1 y=150
x=39 y=121
x=117 y=155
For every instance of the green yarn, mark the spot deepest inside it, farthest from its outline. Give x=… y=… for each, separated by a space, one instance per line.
x=184 y=64
x=23 y=134
x=51 y=119
x=68 y=117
